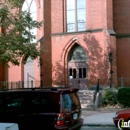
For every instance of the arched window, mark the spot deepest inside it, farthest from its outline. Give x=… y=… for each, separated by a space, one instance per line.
x=29 y=60
x=30 y=5
x=77 y=54
x=76 y=15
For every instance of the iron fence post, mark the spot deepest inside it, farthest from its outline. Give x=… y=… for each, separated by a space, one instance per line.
x=31 y=83
x=122 y=82
x=111 y=71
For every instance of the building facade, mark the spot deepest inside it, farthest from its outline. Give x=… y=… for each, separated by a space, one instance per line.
x=85 y=40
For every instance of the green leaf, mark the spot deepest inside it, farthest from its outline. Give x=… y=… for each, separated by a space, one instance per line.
x=16 y=37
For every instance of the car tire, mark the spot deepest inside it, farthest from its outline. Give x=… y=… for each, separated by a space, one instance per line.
x=79 y=128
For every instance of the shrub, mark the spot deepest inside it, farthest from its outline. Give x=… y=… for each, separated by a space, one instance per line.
x=123 y=96
x=109 y=96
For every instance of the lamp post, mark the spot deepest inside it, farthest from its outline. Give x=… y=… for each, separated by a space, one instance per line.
x=111 y=71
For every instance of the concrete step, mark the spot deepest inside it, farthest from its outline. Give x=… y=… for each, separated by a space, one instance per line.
x=86 y=101
x=88 y=107
x=86 y=98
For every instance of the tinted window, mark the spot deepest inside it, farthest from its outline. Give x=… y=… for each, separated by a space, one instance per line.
x=45 y=102
x=70 y=101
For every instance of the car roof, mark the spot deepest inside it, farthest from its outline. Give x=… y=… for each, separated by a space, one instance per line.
x=41 y=89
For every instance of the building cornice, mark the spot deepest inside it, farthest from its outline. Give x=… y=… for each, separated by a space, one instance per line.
x=125 y=35
x=86 y=31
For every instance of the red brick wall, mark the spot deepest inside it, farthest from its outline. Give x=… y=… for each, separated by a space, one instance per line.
x=121 y=16
x=14 y=73
x=46 y=57
x=97 y=44
x=57 y=13
x=123 y=56
x=93 y=44
x=122 y=27
x=109 y=14
x=94 y=14
x=40 y=12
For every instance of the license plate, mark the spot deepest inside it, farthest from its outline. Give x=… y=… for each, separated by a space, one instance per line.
x=75 y=116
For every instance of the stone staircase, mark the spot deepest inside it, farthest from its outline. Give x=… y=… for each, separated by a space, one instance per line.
x=86 y=99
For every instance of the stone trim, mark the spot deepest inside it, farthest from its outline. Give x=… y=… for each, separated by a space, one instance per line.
x=68 y=33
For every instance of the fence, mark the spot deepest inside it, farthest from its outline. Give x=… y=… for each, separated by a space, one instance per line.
x=103 y=83
x=124 y=82
x=20 y=84
x=121 y=82
x=116 y=82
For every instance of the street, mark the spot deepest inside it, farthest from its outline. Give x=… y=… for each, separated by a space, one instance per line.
x=99 y=128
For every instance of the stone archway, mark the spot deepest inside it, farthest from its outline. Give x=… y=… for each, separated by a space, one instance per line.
x=77 y=67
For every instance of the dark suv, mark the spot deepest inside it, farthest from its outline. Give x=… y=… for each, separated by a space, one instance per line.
x=41 y=108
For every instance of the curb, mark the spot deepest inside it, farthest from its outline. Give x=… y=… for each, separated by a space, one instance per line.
x=103 y=125
x=102 y=109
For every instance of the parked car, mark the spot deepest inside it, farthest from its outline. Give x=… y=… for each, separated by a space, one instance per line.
x=41 y=108
x=121 y=119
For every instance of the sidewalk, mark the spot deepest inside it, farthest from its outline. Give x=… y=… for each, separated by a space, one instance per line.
x=8 y=126
x=99 y=117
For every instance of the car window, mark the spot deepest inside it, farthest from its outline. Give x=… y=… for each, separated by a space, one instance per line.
x=31 y=100
x=70 y=100
x=66 y=100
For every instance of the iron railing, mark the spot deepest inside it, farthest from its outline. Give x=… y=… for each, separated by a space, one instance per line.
x=20 y=84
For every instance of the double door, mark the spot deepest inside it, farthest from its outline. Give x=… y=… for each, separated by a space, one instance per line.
x=77 y=72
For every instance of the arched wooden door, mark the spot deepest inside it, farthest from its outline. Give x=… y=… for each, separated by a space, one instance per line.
x=77 y=68
x=29 y=74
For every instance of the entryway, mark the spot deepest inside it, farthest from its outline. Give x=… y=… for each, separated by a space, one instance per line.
x=77 y=67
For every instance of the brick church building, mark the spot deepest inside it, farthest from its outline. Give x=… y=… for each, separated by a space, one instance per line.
x=85 y=40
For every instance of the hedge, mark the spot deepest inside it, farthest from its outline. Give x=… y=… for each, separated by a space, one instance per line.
x=123 y=96
x=109 y=96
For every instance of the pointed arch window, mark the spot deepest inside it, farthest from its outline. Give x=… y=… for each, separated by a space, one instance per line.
x=76 y=15
x=77 y=62
x=29 y=60
x=77 y=54
x=30 y=5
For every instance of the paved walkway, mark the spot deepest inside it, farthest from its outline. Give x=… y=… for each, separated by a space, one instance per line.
x=99 y=117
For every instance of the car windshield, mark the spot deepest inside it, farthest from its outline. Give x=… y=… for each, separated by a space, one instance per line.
x=45 y=102
x=70 y=101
